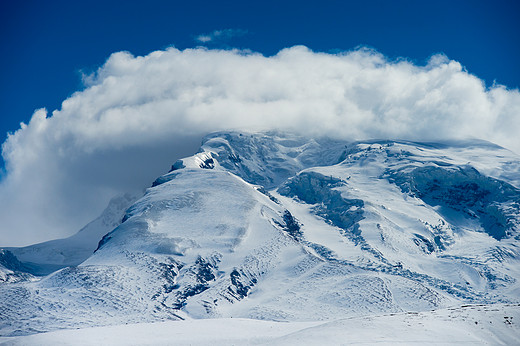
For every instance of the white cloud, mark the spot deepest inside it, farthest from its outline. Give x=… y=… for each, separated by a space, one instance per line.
x=220 y=35
x=204 y=38
x=137 y=115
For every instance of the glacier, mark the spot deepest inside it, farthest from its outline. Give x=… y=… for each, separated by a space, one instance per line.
x=276 y=227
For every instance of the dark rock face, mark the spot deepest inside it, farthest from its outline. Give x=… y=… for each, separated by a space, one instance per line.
x=423 y=243
x=291 y=226
x=20 y=271
x=9 y=261
x=241 y=284
x=208 y=163
x=200 y=275
x=107 y=237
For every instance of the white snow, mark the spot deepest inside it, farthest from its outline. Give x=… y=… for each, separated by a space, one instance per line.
x=327 y=238
x=467 y=325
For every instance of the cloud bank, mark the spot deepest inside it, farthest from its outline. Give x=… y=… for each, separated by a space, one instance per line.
x=137 y=115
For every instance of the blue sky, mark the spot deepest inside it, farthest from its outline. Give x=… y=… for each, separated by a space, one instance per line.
x=44 y=44
x=142 y=111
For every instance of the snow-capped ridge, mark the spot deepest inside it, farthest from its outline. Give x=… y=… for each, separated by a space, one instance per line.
x=264 y=159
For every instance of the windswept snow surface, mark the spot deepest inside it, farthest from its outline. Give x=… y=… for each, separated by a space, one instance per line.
x=467 y=325
x=276 y=227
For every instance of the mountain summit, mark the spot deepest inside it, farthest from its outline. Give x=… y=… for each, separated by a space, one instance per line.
x=277 y=227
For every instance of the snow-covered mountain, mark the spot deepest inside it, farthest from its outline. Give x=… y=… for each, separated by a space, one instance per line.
x=277 y=227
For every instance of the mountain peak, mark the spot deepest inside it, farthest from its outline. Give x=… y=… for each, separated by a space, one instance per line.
x=280 y=227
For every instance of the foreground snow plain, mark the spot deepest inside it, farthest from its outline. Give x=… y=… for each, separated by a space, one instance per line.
x=467 y=325
x=338 y=242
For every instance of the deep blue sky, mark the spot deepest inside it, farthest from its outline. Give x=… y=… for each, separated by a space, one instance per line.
x=44 y=44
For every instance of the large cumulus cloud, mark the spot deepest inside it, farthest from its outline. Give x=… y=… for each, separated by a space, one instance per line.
x=137 y=115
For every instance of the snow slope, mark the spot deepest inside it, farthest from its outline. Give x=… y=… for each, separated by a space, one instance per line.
x=470 y=324
x=276 y=227
x=45 y=258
